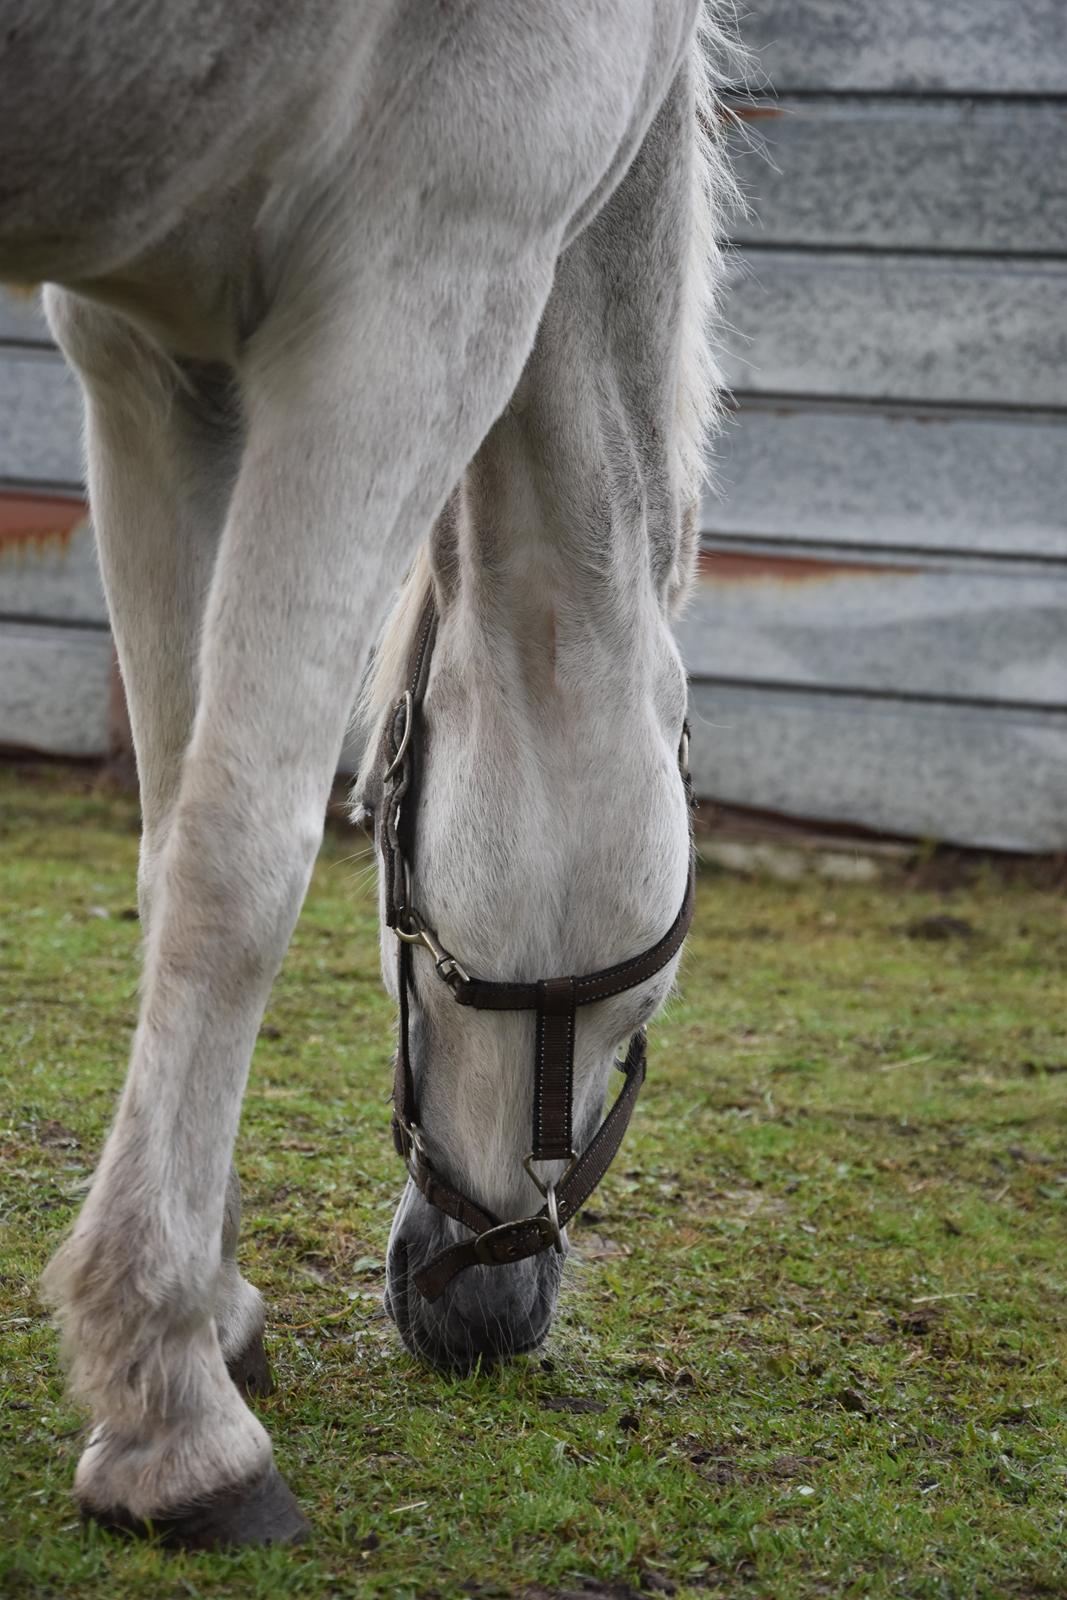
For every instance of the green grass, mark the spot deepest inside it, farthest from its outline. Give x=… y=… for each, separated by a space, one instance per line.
x=816 y=1344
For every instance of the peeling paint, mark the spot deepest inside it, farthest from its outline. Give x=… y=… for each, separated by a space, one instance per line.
x=742 y=111
x=37 y=523
x=726 y=567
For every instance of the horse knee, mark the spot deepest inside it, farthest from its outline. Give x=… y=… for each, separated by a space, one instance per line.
x=233 y=874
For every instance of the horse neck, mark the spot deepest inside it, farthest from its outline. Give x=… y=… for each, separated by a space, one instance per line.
x=571 y=536
x=548 y=568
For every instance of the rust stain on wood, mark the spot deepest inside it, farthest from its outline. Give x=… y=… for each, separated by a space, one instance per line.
x=722 y=566
x=739 y=111
x=37 y=521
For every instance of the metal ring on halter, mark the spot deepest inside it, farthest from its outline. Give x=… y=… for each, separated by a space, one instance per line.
x=414 y=1133
x=528 y=1161
x=546 y=1227
x=416 y=932
x=408 y=703
x=412 y=934
x=553 y=1219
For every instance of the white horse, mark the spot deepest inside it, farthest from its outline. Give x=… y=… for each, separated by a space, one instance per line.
x=351 y=285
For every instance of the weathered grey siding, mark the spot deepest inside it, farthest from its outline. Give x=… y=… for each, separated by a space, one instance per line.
x=940 y=629
x=893 y=477
x=879 y=634
x=55 y=650
x=40 y=419
x=55 y=688
x=54 y=578
x=973 y=764
x=21 y=319
x=896 y=327
x=993 y=47
x=901 y=173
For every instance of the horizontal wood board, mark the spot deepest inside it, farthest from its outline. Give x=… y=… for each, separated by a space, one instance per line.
x=856 y=477
x=54 y=689
x=21 y=317
x=896 y=174
x=913 y=543
x=55 y=576
x=981 y=778
x=932 y=46
x=951 y=633
x=40 y=418
x=906 y=328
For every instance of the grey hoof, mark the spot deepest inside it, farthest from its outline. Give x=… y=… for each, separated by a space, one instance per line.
x=250 y=1369
x=262 y=1511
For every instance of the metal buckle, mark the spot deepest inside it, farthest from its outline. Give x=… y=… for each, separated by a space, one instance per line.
x=412 y=934
x=414 y=1133
x=410 y=1139
x=547 y=1227
x=572 y=1161
x=414 y=1146
x=408 y=704
x=416 y=932
x=683 y=752
x=551 y=1229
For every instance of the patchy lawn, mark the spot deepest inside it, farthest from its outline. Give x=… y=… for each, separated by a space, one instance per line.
x=815 y=1342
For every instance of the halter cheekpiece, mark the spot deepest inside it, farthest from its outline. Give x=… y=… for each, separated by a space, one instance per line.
x=554 y=1000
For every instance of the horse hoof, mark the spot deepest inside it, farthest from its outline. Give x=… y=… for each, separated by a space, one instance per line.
x=250 y=1369
x=262 y=1511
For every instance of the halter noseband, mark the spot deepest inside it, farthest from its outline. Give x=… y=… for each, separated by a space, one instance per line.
x=554 y=1000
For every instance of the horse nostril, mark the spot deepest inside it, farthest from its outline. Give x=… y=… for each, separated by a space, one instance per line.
x=503 y=1312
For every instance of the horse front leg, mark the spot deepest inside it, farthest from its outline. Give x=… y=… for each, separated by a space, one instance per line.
x=158 y=513
x=366 y=391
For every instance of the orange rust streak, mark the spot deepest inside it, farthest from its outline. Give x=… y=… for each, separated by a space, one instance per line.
x=38 y=519
x=752 y=113
x=720 y=566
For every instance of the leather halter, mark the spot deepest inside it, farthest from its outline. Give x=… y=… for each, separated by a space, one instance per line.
x=554 y=1000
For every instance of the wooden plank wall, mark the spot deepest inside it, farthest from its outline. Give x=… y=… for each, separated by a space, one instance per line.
x=879 y=635
x=55 y=648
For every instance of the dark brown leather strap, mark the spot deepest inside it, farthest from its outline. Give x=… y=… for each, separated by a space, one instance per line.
x=553 y=1070
x=447 y=1199
x=404 y=1110
x=487 y=994
x=514 y=1241
x=554 y=1000
x=401 y=744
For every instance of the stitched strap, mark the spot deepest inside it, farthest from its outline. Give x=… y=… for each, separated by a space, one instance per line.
x=394 y=792
x=487 y=995
x=553 y=1070
x=554 y=1000
x=447 y=1199
x=400 y=797
x=496 y=1244
x=395 y=821
x=515 y=1241
x=404 y=1111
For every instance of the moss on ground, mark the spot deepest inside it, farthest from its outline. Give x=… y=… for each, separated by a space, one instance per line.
x=815 y=1344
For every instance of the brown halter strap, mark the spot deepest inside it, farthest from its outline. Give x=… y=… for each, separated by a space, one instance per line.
x=554 y=1000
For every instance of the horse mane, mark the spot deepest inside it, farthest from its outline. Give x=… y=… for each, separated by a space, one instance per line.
x=716 y=58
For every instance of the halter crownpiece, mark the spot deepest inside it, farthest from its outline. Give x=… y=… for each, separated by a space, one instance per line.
x=554 y=1000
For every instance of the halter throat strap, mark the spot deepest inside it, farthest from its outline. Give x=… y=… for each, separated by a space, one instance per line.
x=555 y=1002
